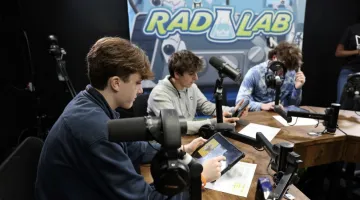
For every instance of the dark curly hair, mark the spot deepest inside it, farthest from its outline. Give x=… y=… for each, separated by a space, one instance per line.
x=114 y=56
x=287 y=53
x=184 y=61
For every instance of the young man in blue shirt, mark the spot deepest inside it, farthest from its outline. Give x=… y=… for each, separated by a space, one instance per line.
x=78 y=161
x=262 y=97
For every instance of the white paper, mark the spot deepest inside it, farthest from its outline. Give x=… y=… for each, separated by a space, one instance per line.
x=300 y=121
x=251 y=130
x=236 y=181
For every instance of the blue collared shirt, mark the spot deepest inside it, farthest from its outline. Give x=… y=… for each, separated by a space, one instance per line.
x=253 y=87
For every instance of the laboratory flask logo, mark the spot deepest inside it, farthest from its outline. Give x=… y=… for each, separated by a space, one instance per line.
x=218 y=24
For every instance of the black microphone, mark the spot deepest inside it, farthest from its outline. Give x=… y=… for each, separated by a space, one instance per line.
x=225 y=69
x=140 y=129
x=131 y=129
x=282 y=113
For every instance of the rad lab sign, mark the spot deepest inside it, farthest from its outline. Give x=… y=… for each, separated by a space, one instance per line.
x=219 y=25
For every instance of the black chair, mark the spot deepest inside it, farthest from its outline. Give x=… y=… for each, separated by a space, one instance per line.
x=18 y=171
x=138 y=109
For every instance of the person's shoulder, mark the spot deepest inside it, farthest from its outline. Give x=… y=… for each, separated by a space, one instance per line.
x=86 y=120
x=257 y=69
x=159 y=91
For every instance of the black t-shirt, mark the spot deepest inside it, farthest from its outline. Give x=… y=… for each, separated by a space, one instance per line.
x=351 y=41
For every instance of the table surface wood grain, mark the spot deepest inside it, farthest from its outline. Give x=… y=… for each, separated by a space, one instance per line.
x=314 y=150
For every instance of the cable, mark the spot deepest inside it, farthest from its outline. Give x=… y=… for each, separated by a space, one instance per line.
x=337 y=126
x=257 y=149
x=317 y=124
x=267 y=169
x=295 y=122
x=356 y=112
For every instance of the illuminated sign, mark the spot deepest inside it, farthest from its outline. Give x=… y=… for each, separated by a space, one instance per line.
x=218 y=24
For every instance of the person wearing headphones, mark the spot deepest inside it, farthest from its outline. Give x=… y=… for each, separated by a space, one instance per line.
x=179 y=91
x=78 y=161
x=256 y=84
x=349 y=48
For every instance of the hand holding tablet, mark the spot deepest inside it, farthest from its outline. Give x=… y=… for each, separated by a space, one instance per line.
x=217 y=153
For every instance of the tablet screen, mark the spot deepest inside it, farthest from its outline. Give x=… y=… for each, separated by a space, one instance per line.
x=217 y=146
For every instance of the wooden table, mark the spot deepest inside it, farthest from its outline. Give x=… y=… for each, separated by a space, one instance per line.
x=349 y=125
x=314 y=150
x=261 y=158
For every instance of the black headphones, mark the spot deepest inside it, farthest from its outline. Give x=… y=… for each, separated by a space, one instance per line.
x=274 y=66
x=171 y=176
x=206 y=131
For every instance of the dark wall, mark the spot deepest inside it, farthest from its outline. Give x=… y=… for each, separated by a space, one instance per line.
x=325 y=21
x=77 y=24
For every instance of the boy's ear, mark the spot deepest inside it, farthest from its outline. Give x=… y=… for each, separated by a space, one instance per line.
x=114 y=82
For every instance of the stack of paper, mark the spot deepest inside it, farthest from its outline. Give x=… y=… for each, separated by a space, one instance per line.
x=251 y=130
x=236 y=181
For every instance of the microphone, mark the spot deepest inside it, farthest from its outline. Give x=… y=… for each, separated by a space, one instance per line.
x=282 y=113
x=278 y=80
x=225 y=69
x=132 y=129
x=145 y=128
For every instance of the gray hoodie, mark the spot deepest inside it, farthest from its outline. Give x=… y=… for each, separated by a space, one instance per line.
x=186 y=102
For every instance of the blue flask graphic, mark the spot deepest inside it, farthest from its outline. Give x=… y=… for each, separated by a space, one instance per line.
x=223 y=28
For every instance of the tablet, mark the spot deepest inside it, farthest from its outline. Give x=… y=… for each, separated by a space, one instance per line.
x=218 y=145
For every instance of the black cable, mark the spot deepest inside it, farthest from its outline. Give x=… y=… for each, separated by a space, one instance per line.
x=337 y=126
x=356 y=112
x=317 y=124
x=267 y=169
x=257 y=149
x=294 y=123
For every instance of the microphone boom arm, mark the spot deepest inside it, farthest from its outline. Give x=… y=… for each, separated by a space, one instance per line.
x=330 y=117
x=284 y=161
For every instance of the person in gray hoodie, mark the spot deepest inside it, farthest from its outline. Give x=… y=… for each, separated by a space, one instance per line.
x=179 y=91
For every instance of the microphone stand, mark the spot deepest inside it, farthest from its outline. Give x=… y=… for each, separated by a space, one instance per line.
x=277 y=107
x=32 y=88
x=330 y=117
x=196 y=184
x=284 y=161
x=218 y=93
x=61 y=64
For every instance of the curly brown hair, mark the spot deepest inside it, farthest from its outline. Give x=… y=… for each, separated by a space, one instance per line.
x=287 y=53
x=114 y=56
x=184 y=61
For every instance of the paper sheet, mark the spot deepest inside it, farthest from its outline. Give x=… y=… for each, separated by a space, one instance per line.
x=236 y=181
x=251 y=130
x=300 y=121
